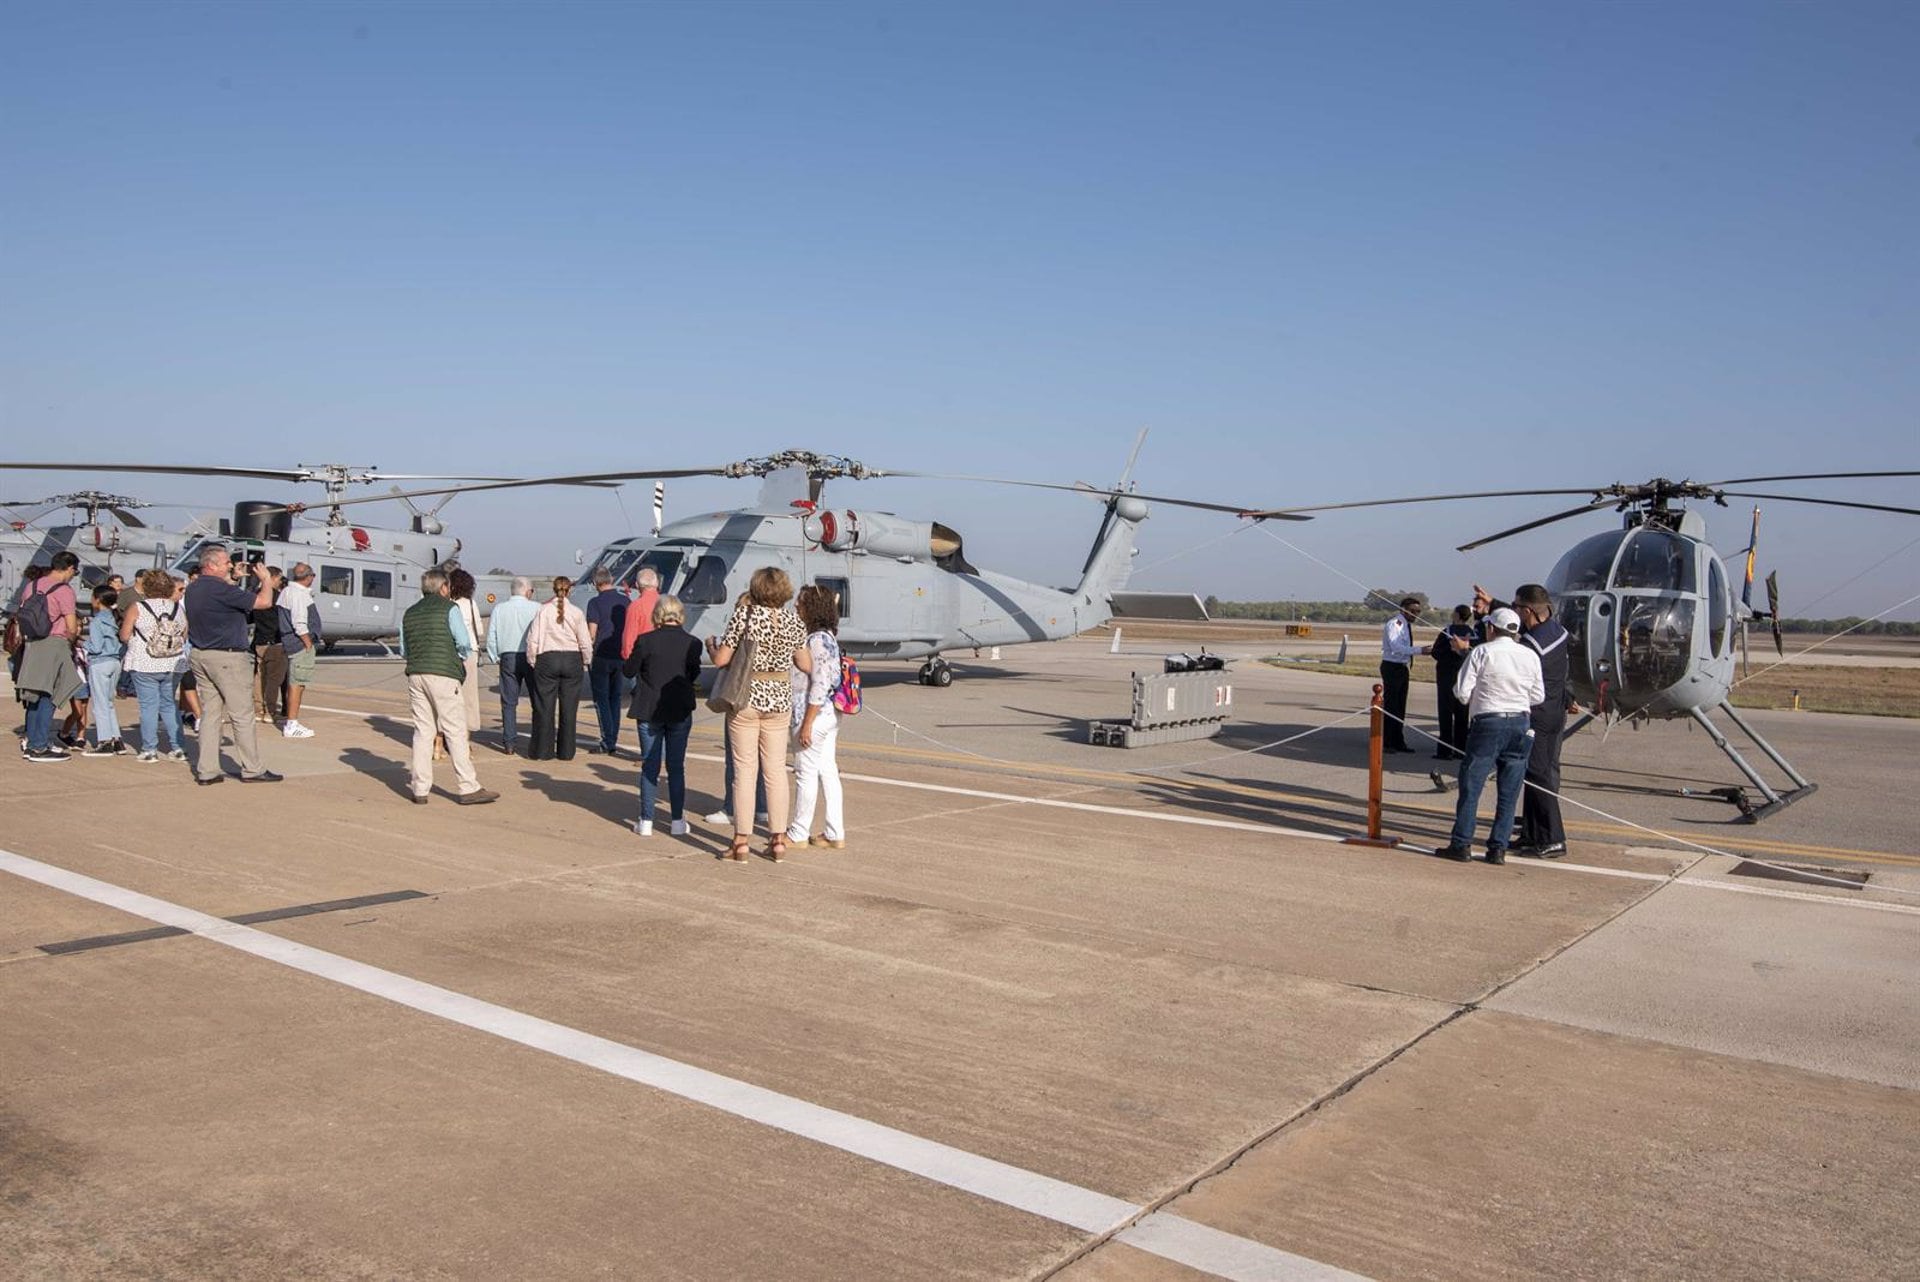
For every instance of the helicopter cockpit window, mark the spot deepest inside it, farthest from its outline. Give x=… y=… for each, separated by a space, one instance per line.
x=376 y=585
x=664 y=564
x=1585 y=567
x=1716 y=606
x=336 y=580
x=618 y=564
x=1657 y=559
x=1656 y=641
x=707 y=584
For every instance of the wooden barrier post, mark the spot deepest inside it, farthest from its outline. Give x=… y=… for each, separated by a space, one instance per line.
x=1376 y=772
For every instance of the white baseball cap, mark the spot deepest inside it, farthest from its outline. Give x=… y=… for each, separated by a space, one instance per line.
x=1505 y=620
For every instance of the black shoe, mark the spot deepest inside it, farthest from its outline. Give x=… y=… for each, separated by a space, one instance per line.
x=1459 y=854
x=1496 y=855
x=1553 y=851
x=46 y=754
x=265 y=776
x=420 y=799
x=208 y=783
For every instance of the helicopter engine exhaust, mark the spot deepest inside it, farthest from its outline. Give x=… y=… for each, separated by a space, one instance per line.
x=884 y=534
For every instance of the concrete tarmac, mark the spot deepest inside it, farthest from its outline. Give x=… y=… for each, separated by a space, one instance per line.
x=1057 y=1010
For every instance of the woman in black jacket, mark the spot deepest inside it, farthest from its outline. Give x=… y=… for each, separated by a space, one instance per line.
x=664 y=663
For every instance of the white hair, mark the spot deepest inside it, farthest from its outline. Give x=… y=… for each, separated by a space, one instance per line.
x=648 y=578
x=522 y=585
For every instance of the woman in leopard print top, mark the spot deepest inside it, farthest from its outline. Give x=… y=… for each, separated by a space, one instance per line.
x=757 y=733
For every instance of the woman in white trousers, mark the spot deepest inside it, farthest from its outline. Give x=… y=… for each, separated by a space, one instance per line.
x=816 y=726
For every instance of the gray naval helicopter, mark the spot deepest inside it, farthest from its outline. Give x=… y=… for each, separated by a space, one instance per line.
x=120 y=546
x=1650 y=610
x=365 y=575
x=905 y=587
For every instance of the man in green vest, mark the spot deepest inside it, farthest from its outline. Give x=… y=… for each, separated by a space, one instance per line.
x=435 y=643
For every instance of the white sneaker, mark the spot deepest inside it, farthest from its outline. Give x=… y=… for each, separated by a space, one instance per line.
x=720 y=819
x=147 y=754
x=643 y=828
x=680 y=828
x=294 y=730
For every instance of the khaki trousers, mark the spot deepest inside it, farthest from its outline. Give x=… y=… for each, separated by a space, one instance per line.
x=438 y=708
x=225 y=681
x=757 y=742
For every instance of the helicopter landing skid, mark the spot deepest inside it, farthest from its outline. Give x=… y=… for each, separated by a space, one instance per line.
x=1750 y=813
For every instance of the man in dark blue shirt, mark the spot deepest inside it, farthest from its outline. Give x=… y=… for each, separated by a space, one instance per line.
x=1542 y=833
x=220 y=630
x=606 y=619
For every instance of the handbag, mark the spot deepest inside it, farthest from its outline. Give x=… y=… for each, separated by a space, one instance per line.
x=734 y=688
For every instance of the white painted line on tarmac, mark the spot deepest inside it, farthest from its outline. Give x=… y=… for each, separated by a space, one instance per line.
x=1160 y=1233
x=1128 y=812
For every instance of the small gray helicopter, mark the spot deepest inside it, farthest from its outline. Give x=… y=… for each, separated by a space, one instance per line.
x=1649 y=608
x=121 y=546
x=905 y=587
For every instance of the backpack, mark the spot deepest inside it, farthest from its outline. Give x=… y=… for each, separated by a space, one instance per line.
x=167 y=639
x=32 y=620
x=846 y=695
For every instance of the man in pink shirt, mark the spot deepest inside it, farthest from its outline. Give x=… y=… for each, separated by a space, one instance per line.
x=640 y=612
x=47 y=676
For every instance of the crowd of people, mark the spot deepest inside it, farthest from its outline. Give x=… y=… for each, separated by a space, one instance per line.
x=1501 y=674
x=231 y=646
x=784 y=657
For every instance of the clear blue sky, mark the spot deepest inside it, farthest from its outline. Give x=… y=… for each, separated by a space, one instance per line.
x=1325 y=251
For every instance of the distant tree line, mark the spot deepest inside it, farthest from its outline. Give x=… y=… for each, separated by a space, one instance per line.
x=1827 y=627
x=1379 y=605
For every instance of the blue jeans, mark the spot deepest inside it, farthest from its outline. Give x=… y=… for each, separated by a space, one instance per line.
x=514 y=678
x=1495 y=741
x=40 y=724
x=103 y=682
x=157 y=692
x=608 y=684
x=669 y=742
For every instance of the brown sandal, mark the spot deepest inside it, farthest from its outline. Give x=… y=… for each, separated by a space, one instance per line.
x=777 y=849
x=738 y=852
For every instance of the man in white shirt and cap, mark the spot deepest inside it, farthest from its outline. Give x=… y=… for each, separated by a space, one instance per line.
x=1500 y=682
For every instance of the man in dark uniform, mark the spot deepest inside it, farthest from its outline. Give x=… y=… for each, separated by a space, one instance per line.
x=1542 y=835
x=1447 y=660
x=1396 y=658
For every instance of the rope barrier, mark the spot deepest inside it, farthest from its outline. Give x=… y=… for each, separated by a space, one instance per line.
x=1672 y=837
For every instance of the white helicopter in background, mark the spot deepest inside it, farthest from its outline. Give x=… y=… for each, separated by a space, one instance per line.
x=365 y=575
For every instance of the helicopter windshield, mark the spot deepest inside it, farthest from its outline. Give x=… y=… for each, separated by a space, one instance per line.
x=1657 y=559
x=1584 y=568
x=1656 y=641
x=664 y=564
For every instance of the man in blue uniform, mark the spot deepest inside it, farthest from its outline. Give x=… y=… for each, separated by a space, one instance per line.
x=1542 y=835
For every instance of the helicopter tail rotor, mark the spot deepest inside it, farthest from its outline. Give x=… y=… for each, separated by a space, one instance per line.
x=1773 y=612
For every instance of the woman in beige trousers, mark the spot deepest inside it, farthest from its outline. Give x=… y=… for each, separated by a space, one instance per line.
x=757 y=731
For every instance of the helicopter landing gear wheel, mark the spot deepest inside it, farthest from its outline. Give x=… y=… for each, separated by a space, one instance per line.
x=935 y=672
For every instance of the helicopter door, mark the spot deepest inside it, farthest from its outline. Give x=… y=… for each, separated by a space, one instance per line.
x=1597 y=636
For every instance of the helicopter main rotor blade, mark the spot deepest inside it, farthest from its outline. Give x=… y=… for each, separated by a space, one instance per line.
x=127 y=518
x=1569 y=514
x=1795 y=498
x=257 y=473
x=585 y=478
x=1806 y=476
x=1093 y=491
x=1277 y=513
